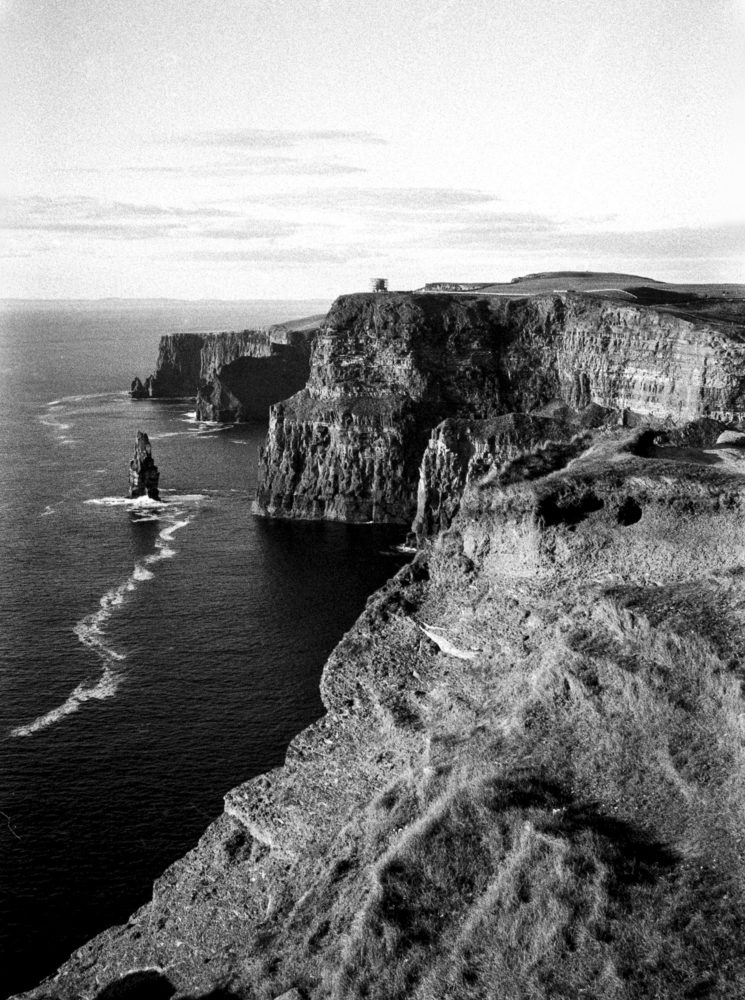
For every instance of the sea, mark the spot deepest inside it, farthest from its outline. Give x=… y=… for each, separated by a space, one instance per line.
x=152 y=656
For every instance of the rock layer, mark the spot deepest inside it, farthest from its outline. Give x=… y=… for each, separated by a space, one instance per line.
x=386 y=369
x=528 y=780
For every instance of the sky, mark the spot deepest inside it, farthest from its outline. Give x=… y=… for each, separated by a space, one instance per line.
x=238 y=149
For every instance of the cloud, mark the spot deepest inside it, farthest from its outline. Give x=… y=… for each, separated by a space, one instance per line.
x=255 y=166
x=724 y=240
x=273 y=256
x=535 y=232
x=260 y=138
x=420 y=202
x=84 y=216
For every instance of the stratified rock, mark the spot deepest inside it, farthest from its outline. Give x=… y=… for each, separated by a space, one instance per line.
x=143 y=472
x=385 y=370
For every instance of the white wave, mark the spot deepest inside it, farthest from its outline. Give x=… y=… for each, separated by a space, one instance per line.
x=53 y=422
x=168 y=533
x=91 y=629
x=105 y=687
x=136 y=502
x=212 y=429
x=187 y=497
x=87 y=395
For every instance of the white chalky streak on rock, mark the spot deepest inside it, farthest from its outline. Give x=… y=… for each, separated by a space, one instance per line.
x=447 y=647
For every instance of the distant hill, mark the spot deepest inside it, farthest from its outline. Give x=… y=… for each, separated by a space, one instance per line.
x=643 y=289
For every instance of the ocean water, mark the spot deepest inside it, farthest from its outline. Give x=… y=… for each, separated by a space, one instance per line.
x=151 y=656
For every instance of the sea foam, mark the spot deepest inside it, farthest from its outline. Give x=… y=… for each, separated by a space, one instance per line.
x=105 y=687
x=91 y=630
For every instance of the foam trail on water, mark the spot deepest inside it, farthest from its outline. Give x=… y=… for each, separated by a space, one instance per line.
x=91 y=629
x=84 y=396
x=104 y=688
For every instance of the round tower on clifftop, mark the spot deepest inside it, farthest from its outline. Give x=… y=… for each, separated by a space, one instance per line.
x=379 y=284
x=143 y=472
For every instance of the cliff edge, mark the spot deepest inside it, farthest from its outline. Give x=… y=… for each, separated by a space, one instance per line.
x=529 y=780
x=386 y=369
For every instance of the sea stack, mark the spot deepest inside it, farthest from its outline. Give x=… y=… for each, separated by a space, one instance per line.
x=143 y=472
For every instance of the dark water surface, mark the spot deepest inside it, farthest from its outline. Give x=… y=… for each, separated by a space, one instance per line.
x=150 y=657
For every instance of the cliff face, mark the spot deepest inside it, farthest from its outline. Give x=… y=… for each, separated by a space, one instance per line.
x=234 y=375
x=528 y=780
x=244 y=387
x=179 y=365
x=654 y=361
x=463 y=451
x=385 y=369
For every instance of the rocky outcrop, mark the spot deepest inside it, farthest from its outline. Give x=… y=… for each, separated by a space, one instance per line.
x=235 y=375
x=138 y=390
x=461 y=451
x=386 y=369
x=528 y=779
x=179 y=366
x=143 y=472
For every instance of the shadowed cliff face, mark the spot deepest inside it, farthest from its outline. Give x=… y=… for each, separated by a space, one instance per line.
x=529 y=778
x=245 y=388
x=385 y=369
x=235 y=376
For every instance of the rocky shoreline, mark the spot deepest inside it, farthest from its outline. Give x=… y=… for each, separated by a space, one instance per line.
x=529 y=778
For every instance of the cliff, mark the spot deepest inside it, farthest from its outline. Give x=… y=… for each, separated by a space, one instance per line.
x=529 y=778
x=245 y=387
x=463 y=451
x=234 y=375
x=528 y=782
x=386 y=369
